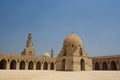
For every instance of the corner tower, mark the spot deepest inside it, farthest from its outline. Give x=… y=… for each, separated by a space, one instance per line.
x=73 y=57
x=29 y=50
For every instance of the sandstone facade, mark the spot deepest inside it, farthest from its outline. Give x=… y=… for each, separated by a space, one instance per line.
x=72 y=57
x=27 y=60
x=106 y=62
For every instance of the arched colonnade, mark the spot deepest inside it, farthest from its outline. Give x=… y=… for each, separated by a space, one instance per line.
x=107 y=65
x=26 y=65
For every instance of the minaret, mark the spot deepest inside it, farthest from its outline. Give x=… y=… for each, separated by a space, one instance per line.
x=29 y=41
x=52 y=53
x=29 y=50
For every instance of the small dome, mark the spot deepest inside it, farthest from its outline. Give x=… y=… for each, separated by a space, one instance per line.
x=72 y=39
x=46 y=55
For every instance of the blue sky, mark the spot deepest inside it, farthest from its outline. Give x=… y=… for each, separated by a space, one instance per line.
x=97 y=22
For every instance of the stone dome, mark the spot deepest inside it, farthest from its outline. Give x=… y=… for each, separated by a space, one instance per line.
x=46 y=55
x=72 y=39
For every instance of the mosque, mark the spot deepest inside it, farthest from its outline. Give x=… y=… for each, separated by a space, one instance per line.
x=72 y=57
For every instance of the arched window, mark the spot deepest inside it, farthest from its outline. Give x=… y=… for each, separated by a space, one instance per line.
x=104 y=66
x=13 y=64
x=97 y=67
x=45 y=67
x=63 y=65
x=3 y=64
x=65 y=53
x=52 y=66
x=80 y=52
x=30 y=65
x=82 y=63
x=22 y=65
x=72 y=47
x=113 y=65
x=38 y=66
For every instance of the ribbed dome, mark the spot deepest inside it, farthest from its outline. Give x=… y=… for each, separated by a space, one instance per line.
x=72 y=39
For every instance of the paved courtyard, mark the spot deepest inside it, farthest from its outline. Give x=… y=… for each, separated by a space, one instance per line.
x=58 y=75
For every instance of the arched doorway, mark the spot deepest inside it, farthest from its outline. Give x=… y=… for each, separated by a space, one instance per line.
x=82 y=63
x=104 y=66
x=22 y=65
x=38 y=66
x=30 y=65
x=13 y=64
x=3 y=64
x=97 y=67
x=45 y=67
x=52 y=66
x=113 y=65
x=63 y=65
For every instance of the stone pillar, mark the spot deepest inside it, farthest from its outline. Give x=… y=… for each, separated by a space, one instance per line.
x=93 y=65
x=42 y=66
x=118 y=65
x=101 y=66
x=48 y=65
x=34 y=66
x=8 y=65
x=18 y=65
x=109 y=66
x=26 y=65
x=54 y=66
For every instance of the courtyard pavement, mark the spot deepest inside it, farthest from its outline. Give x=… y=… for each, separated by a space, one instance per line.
x=58 y=75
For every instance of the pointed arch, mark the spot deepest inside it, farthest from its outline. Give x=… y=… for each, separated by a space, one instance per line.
x=13 y=64
x=38 y=66
x=3 y=64
x=30 y=65
x=65 y=53
x=22 y=65
x=82 y=63
x=113 y=65
x=63 y=64
x=45 y=67
x=104 y=66
x=80 y=52
x=97 y=66
x=51 y=66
